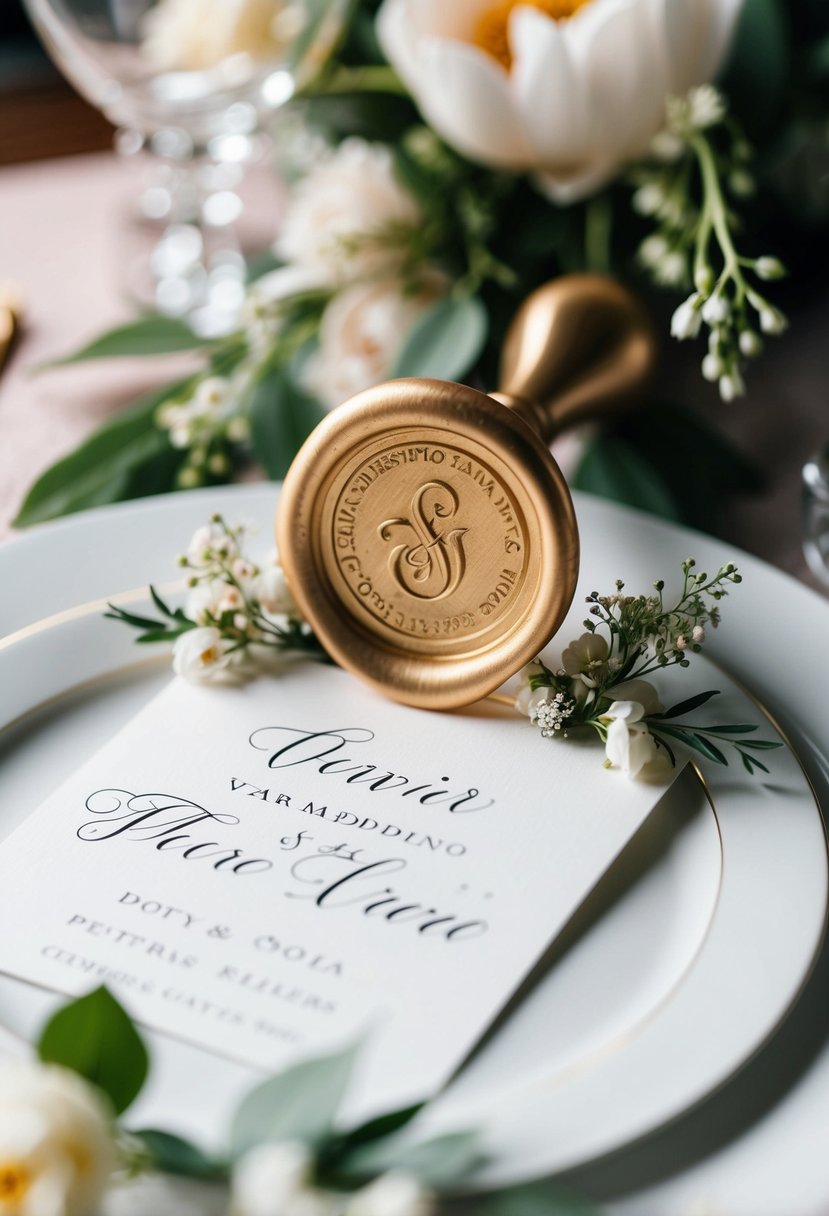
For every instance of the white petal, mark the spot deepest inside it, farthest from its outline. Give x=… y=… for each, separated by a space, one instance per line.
x=697 y=33
x=547 y=90
x=465 y=95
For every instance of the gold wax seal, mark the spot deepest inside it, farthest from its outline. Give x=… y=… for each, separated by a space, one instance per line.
x=425 y=530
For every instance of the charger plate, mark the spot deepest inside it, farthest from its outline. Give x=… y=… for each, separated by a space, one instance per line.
x=682 y=963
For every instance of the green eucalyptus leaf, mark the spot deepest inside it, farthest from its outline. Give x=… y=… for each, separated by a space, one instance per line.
x=282 y=416
x=152 y=335
x=298 y=1104
x=95 y=1037
x=171 y=1154
x=611 y=468
x=446 y=341
x=438 y=1162
x=382 y=1125
x=128 y=456
x=536 y=1199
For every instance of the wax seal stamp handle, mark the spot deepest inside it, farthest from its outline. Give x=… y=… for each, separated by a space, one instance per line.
x=579 y=347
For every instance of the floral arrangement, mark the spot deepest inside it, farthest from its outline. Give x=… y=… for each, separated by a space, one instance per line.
x=239 y=615
x=64 y=1144
x=448 y=159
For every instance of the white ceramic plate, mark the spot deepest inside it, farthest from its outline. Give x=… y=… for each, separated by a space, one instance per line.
x=672 y=976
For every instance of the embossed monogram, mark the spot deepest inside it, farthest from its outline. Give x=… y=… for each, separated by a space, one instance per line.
x=434 y=564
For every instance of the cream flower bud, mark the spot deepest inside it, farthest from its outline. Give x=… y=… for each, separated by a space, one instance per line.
x=57 y=1148
x=687 y=319
x=271 y=589
x=628 y=746
x=750 y=344
x=772 y=321
x=732 y=385
x=698 y=634
x=769 y=268
x=715 y=310
x=712 y=368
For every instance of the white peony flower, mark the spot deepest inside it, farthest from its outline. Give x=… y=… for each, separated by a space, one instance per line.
x=57 y=1151
x=392 y=1194
x=568 y=89
x=629 y=746
x=340 y=216
x=200 y=654
x=191 y=35
x=273 y=1180
x=362 y=332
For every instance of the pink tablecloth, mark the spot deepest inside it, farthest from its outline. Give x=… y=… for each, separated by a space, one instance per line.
x=65 y=241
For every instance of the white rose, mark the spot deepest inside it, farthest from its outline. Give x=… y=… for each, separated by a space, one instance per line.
x=570 y=89
x=271 y=1180
x=200 y=654
x=340 y=213
x=191 y=35
x=362 y=332
x=392 y=1194
x=57 y=1151
x=629 y=746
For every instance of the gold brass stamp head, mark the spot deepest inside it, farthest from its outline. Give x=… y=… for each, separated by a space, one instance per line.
x=426 y=531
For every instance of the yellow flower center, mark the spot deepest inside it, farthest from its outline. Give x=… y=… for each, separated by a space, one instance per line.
x=492 y=30
x=15 y=1181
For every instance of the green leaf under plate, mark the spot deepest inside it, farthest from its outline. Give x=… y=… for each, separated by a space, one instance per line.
x=94 y=1036
x=298 y=1104
x=282 y=417
x=446 y=341
x=152 y=335
x=128 y=456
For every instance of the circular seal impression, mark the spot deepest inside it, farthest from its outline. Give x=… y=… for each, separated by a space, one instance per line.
x=429 y=538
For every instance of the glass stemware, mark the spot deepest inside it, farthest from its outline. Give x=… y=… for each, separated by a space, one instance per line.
x=192 y=82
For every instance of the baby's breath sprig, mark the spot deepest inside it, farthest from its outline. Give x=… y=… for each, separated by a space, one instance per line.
x=700 y=159
x=601 y=683
x=236 y=611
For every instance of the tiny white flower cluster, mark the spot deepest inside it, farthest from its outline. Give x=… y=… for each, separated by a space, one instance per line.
x=551 y=715
x=204 y=423
x=722 y=298
x=236 y=604
x=277 y=1180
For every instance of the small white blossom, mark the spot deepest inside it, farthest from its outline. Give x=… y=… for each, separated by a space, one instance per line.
x=271 y=1180
x=667 y=147
x=57 y=1148
x=750 y=344
x=772 y=321
x=648 y=199
x=671 y=270
x=715 y=310
x=687 y=318
x=271 y=589
x=706 y=106
x=392 y=1194
x=200 y=654
x=586 y=658
x=698 y=633
x=629 y=746
x=681 y=642
x=653 y=249
x=732 y=385
x=712 y=368
x=769 y=268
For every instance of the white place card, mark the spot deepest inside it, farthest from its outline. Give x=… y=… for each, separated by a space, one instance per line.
x=277 y=869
